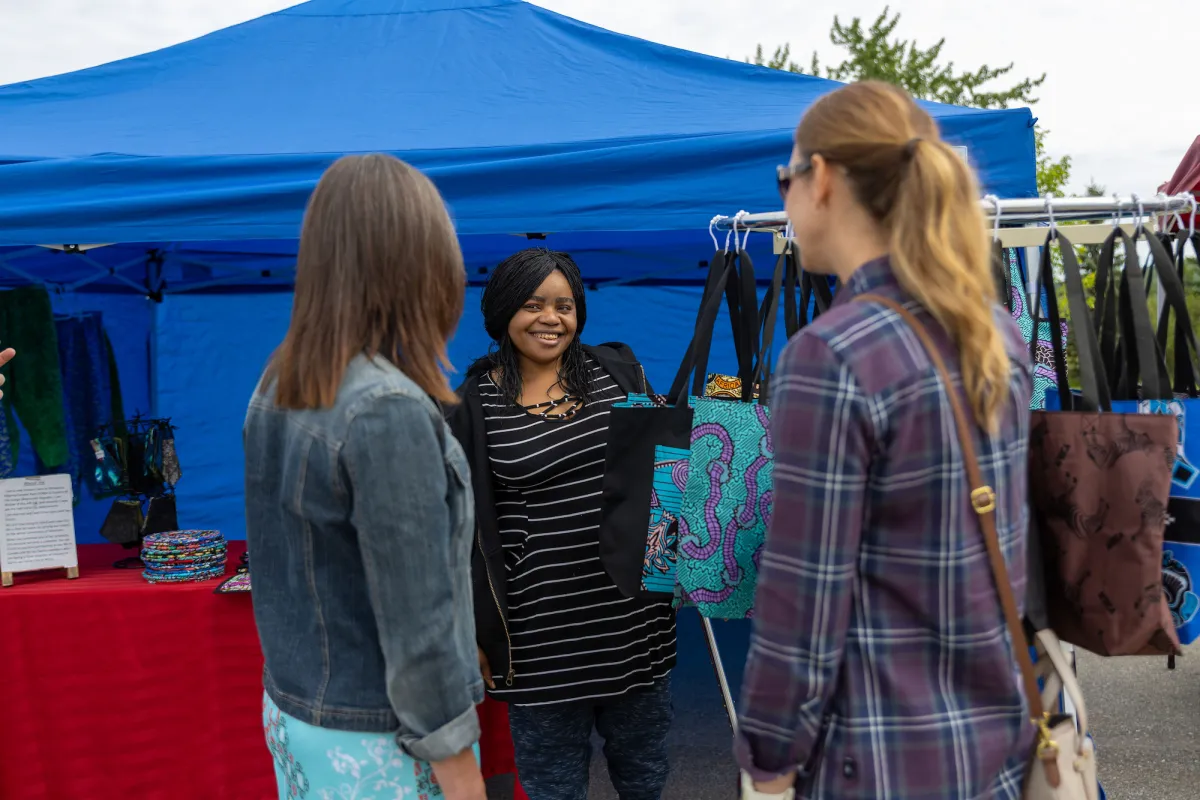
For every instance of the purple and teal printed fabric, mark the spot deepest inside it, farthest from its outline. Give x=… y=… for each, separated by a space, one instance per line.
x=647 y=401
x=1181 y=574
x=1181 y=550
x=662 y=535
x=726 y=507
x=1043 y=366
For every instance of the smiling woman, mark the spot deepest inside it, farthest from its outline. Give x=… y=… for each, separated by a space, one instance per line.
x=534 y=307
x=557 y=639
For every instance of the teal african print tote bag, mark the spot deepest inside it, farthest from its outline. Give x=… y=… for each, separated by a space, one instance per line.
x=727 y=496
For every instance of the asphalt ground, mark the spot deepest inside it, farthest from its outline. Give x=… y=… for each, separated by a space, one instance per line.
x=1145 y=720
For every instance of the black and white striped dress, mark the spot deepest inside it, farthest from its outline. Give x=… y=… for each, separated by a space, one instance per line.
x=574 y=635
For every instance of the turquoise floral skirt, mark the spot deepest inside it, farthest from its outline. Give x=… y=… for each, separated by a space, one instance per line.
x=323 y=764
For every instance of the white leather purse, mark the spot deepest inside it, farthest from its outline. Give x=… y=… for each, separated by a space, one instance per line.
x=750 y=793
x=1075 y=760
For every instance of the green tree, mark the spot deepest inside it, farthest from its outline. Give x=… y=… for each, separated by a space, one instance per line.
x=1052 y=173
x=874 y=53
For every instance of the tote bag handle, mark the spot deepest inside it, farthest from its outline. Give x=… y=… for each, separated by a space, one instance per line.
x=1002 y=275
x=1187 y=354
x=1095 y=394
x=725 y=279
x=782 y=288
x=719 y=269
x=1141 y=362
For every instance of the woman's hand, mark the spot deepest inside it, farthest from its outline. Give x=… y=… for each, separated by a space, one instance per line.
x=460 y=778
x=781 y=787
x=778 y=786
x=5 y=357
x=485 y=669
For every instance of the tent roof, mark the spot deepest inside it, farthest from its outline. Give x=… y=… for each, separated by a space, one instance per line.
x=527 y=120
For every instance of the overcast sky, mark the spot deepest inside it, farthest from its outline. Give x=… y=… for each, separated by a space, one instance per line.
x=1120 y=96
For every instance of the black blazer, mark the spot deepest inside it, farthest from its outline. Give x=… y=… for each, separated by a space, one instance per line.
x=487 y=561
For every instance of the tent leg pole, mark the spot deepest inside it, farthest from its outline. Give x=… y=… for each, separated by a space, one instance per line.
x=152 y=356
x=719 y=668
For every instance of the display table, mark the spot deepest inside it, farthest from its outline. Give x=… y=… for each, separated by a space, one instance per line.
x=111 y=687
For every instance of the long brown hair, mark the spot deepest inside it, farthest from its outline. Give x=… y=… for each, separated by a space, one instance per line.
x=926 y=197
x=379 y=272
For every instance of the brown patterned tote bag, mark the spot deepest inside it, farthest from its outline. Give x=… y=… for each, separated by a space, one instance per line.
x=1100 y=482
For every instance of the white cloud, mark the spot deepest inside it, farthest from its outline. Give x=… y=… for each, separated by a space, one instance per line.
x=1117 y=97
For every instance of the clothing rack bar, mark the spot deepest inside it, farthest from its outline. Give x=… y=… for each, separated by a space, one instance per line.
x=1017 y=210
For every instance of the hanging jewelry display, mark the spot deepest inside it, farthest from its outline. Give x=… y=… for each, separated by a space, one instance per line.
x=137 y=461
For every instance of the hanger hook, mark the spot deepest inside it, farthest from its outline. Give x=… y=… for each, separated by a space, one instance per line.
x=1192 y=224
x=1116 y=215
x=712 y=223
x=1050 y=213
x=995 y=201
x=1141 y=213
x=740 y=217
x=1166 y=204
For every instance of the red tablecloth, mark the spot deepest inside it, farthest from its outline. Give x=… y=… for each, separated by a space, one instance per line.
x=111 y=687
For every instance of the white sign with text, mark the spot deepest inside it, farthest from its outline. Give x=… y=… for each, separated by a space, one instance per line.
x=37 y=525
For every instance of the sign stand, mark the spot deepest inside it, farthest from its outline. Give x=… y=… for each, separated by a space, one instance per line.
x=6 y=578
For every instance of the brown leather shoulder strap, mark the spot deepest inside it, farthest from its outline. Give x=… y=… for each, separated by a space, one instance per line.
x=983 y=500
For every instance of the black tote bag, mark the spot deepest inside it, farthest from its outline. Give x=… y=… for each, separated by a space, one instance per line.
x=635 y=434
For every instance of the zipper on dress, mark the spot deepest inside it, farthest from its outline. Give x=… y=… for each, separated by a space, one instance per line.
x=645 y=386
x=508 y=678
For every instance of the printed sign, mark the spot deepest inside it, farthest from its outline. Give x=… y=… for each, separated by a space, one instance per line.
x=37 y=526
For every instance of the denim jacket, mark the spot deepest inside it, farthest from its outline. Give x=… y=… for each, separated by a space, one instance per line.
x=360 y=521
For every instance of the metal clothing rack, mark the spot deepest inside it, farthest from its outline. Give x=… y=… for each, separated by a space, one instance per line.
x=1015 y=211
x=719 y=668
x=1011 y=219
x=1020 y=212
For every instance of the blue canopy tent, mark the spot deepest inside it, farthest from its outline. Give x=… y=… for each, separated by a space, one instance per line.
x=193 y=164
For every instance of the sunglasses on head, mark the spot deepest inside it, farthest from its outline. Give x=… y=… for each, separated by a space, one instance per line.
x=786 y=173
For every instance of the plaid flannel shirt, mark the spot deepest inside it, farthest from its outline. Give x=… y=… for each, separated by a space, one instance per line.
x=880 y=659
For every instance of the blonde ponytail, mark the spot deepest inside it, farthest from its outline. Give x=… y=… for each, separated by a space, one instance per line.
x=927 y=199
x=941 y=256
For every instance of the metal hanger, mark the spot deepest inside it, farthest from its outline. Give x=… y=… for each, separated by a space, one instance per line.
x=995 y=201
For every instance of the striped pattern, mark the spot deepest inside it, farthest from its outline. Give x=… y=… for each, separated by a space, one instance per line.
x=574 y=635
x=879 y=642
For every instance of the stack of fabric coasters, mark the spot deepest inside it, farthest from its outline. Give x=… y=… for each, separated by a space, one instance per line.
x=182 y=556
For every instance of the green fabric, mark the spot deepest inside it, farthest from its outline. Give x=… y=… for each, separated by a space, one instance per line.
x=33 y=380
